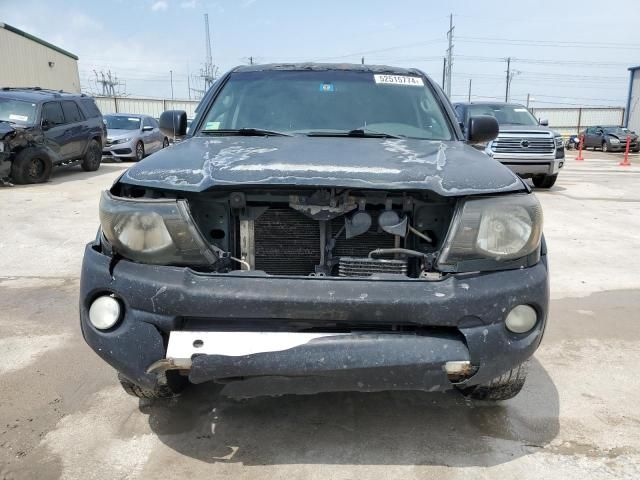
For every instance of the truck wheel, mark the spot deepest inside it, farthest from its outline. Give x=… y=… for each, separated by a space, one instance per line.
x=31 y=166
x=504 y=387
x=545 y=181
x=93 y=157
x=171 y=389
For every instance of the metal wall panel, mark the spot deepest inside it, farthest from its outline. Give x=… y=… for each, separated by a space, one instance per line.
x=634 y=104
x=25 y=63
x=146 y=106
x=570 y=121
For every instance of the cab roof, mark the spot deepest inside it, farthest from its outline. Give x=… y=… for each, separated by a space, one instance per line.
x=311 y=66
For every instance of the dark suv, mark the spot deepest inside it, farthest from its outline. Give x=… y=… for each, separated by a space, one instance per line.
x=40 y=129
x=321 y=227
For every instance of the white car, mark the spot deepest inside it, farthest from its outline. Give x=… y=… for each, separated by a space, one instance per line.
x=132 y=136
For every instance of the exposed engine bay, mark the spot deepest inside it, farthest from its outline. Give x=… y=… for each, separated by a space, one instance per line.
x=324 y=232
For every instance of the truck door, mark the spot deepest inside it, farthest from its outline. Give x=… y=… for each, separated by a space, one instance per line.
x=77 y=131
x=54 y=129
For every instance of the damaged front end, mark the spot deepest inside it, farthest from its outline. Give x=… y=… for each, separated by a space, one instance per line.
x=339 y=285
x=14 y=138
x=312 y=232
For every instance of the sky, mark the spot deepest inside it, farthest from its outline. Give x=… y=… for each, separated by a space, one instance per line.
x=562 y=55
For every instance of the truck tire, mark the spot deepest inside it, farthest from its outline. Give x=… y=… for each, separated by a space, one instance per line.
x=504 y=387
x=545 y=181
x=31 y=165
x=91 y=160
x=172 y=389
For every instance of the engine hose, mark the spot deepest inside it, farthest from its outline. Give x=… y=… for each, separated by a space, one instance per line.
x=392 y=251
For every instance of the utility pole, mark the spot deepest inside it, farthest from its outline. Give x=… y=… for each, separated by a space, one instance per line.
x=449 y=56
x=506 y=91
x=528 y=96
x=362 y=60
x=444 y=71
x=469 y=98
x=171 y=80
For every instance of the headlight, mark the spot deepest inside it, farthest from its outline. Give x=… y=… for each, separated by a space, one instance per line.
x=120 y=140
x=153 y=231
x=559 y=142
x=494 y=230
x=613 y=140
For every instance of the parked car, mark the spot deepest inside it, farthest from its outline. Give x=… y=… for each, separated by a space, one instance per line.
x=610 y=139
x=132 y=137
x=40 y=129
x=320 y=223
x=528 y=147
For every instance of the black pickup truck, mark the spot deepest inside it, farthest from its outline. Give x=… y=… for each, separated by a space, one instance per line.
x=320 y=225
x=40 y=129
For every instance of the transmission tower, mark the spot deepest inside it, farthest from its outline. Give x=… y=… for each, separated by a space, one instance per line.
x=111 y=85
x=209 y=71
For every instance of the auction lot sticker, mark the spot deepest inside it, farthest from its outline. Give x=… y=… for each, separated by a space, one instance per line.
x=405 y=80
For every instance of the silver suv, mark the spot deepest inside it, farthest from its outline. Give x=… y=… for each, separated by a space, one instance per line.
x=528 y=147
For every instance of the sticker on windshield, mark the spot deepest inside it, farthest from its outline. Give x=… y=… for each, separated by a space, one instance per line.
x=519 y=109
x=212 y=126
x=327 y=87
x=19 y=118
x=405 y=80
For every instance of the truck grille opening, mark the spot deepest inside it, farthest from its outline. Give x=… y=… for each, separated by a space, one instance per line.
x=287 y=242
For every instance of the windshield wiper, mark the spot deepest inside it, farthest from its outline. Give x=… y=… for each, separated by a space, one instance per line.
x=248 y=132
x=358 y=133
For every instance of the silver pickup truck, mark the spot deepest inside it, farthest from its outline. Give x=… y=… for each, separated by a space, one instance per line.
x=528 y=147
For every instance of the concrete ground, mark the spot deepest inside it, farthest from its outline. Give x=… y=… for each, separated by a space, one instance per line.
x=63 y=415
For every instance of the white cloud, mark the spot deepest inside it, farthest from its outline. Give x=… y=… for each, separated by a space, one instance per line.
x=248 y=3
x=160 y=5
x=189 y=4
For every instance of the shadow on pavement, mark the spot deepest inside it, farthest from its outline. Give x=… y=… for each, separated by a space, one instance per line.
x=389 y=428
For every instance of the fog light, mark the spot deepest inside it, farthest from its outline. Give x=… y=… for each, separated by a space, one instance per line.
x=104 y=312
x=521 y=319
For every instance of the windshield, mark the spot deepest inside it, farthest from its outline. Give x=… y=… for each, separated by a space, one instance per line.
x=328 y=101
x=17 y=111
x=121 y=122
x=505 y=114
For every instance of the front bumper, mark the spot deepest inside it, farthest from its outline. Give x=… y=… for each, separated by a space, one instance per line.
x=530 y=165
x=119 y=150
x=622 y=146
x=456 y=319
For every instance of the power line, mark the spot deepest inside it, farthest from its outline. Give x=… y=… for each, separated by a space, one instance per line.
x=546 y=43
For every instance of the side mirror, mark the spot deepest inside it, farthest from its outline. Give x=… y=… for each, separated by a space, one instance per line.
x=148 y=128
x=173 y=123
x=482 y=128
x=544 y=122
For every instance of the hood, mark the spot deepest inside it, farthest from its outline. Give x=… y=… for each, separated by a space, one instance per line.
x=117 y=134
x=446 y=168
x=509 y=127
x=6 y=129
x=622 y=136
